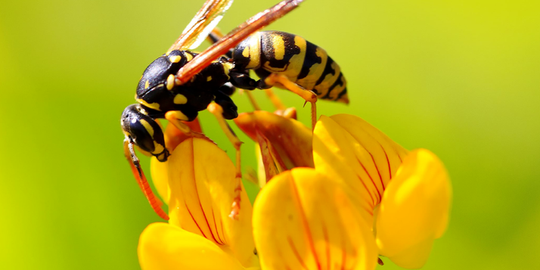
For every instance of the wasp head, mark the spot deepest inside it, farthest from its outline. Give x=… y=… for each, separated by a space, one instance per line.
x=143 y=131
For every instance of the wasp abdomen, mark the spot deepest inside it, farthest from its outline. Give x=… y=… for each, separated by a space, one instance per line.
x=299 y=60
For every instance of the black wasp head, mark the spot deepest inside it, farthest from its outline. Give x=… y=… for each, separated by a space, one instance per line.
x=158 y=78
x=143 y=131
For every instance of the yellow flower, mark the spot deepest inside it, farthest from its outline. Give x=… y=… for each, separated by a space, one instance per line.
x=325 y=216
x=361 y=196
x=200 y=183
x=410 y=192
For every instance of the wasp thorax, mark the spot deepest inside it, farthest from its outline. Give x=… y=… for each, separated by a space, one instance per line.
x=158 y=79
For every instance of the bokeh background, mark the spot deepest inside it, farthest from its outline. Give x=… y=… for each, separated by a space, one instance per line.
x=459 y=77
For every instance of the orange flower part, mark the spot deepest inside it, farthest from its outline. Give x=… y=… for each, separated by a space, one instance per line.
x=284 y=142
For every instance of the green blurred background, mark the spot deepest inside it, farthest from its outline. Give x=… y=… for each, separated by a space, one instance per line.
x=461 y=78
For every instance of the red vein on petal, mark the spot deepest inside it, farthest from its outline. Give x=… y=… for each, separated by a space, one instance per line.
x=222 y=230
x=372 y=158
x=208 y=223
x=389 y=168
x=372 y=181
x=195 y=221
x=378 y=172
x=397 y=153
x=370 y=211
x=296 y=254
x=197 y=192
x=305 y=224
x=220 y=242
x=396 y=147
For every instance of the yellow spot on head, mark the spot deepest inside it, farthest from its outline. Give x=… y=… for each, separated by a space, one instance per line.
x=154 y=105
x=170 y=82
x=209 y=78
x=148 y=127
x=175 y=58
x=180 y=99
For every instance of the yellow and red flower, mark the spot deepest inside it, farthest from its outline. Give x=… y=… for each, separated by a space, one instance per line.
x=337 y=199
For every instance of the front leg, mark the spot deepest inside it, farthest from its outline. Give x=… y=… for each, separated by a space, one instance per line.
x=176 y=118
x=241 y=79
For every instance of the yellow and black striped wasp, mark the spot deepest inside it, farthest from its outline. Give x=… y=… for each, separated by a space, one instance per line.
x=181 y=82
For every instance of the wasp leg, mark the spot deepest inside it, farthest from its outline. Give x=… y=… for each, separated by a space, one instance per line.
x=176 y=118
x=275 y=100
x=252 y=100
x=309 y=96
x=217 y=111
x=242 y=80
x=129 y=152
x=230 y=110
x=280 y=107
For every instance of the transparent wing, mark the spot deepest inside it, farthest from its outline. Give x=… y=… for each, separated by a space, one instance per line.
x=202 y=24
x=232 y=39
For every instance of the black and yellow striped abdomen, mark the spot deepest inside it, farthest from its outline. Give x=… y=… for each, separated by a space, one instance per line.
x=299 y=60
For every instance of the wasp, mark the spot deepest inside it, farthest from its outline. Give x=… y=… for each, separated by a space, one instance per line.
x=180 y=83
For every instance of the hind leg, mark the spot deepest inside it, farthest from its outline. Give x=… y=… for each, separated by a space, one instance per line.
x=217 y=110
x=282 y=81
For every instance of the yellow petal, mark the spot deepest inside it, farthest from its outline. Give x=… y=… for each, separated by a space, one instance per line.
x=160 y=178
x=160 y=174
x=290 y=138
x=163 y=246
x=414 y=210
x=202 y=180
x=354 y=150
x=304 y=220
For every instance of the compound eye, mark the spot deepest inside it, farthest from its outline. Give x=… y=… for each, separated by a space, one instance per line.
x=143 y=130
